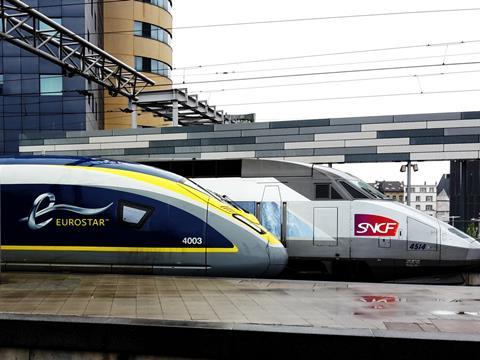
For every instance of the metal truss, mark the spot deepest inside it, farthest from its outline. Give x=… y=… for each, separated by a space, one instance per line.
x=180 y=107
x=29 y=29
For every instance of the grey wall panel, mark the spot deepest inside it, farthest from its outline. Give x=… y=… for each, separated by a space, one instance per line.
x=168 y=143
x=273 y=132
x=345 y=151
x=200 y=149
x=423 y=117
x=471 y=115
x=299 y=123
x=444 y=139
x=377 y=157
x=282 y=153
x=330 y=129
x=189 y=129
x=462 y=131
x=83 y=140
x=241 y=126
x=362 y=120
x=283 y=138
x=77 y=134
x=106 y=152
x=31 y=142
x=246 y=147
x=229 y=141
x=409 y=133
x=216 y=134
x=146 y=151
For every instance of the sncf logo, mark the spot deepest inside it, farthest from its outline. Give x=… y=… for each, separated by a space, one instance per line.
x=375 y=225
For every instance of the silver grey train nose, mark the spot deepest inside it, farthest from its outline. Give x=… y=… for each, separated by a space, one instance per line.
x=278 y=261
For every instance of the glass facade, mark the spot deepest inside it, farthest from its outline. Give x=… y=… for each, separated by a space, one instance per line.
x=164 y=4
x=153 y=66
x=51 y=85
x=152 y=32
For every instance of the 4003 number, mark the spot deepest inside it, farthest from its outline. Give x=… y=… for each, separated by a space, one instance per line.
x=192 y=240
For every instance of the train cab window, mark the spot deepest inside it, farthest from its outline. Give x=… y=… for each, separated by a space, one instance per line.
x=133 y=215
x=356 y=194
x=326 y=191
x=335 y=195
x=322 y=191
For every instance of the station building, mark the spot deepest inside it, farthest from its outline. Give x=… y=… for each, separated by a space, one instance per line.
x=36 y=96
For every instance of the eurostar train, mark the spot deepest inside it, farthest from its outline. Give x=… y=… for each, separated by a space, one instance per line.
x=332 y=221
x=83 y=213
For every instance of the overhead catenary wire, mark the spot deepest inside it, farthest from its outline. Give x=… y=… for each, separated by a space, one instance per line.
x=348 y=71
x=399 y=59
x=334 y=53
x=339 y=81
x=354 y=97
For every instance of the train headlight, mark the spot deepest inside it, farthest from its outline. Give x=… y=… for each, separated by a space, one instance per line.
x=250 y=224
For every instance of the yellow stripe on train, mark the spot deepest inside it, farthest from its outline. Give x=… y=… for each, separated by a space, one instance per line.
x=234 y=249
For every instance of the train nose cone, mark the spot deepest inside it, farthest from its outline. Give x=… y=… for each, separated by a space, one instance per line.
x=278 y=260
x=473 y=255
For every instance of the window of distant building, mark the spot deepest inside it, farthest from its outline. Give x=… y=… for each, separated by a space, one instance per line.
x=429 y=207
x=418 y=207
x=400 y=198
x=51 y=85
x=429 y=198
x=153 y=66
x=394 y=197
x=154 y=32
x=418 y=198
x=164 y=4
x=422 y=189
x=431 y=189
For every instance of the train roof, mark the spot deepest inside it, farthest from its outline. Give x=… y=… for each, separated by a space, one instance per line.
x=90 y=162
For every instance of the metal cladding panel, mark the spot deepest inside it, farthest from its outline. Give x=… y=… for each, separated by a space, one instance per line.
x=409 y=133
x=377 y=157
x=253 y=168
x=428 y=117
x=362 y=120
x=299 y=123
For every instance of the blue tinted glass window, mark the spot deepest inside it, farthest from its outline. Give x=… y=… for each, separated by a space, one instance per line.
x=51 y=85
x=151 y=65
x=151 y=31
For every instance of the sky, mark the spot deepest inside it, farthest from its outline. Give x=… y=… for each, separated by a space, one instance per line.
x=299 y=92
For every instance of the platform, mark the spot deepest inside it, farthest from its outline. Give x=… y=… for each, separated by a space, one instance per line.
x=222 y=317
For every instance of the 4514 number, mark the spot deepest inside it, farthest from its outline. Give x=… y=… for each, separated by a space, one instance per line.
x=418 y=246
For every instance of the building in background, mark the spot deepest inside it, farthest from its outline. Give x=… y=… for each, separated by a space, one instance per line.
x=392 y=189
x=465 y=192
x=424 y=198
x=443 y=199
x=34 y=94
x=139 y=34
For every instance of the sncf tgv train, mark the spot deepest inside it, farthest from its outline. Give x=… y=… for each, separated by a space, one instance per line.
x=73 y=212
x=329 y=218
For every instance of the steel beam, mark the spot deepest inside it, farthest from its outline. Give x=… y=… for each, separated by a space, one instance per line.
x=20 y=25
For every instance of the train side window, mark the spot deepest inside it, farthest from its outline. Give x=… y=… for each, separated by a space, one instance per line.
x=356 y=194
x=132 y=214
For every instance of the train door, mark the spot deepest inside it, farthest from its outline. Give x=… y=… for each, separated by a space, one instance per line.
x=318 y=229
x=422 y=241
x=329 y=223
